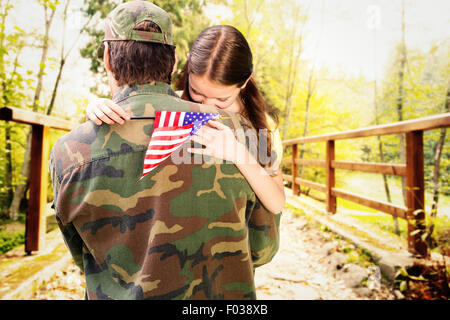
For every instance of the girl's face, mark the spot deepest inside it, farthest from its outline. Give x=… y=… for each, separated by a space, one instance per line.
x=203 y=90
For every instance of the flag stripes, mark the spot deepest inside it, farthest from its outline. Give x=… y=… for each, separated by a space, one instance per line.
x=170 y=130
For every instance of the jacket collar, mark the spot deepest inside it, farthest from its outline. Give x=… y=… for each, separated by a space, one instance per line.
x=149 y=88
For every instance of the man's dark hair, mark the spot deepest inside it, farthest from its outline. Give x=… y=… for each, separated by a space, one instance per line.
x=134 y=62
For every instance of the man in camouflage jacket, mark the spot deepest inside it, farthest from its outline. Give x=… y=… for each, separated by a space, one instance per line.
x=189 y=230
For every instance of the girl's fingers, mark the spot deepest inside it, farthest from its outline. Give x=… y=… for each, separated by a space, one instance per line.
x=111 y=114
x=91 y=116
x=216 y=124
x=100 y=115
x=199 y=139
x=117 y=109
x=107 y=111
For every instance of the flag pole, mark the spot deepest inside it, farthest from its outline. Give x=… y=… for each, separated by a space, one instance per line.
x=146 y=118
x=141 y=118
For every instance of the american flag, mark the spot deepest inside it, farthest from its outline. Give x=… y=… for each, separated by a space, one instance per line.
x=170 y=130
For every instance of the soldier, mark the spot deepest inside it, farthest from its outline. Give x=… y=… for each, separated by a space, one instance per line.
x=219 y=72
x=185 y=231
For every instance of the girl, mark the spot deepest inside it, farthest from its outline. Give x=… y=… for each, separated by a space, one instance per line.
x=219 y=72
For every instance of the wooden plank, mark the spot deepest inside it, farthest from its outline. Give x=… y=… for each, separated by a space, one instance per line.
x=34 y=118
x=310 y=162
x=305 y=162
x=36 y=217
x=371 y=203
x=330 y=177
x=312 y=196
x=295 y=187
x=287 y=177
x=312 y=185
x=427 y=123
x=415 y=193
x=382 y=168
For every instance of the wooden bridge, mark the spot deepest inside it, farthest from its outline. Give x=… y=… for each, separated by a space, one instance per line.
x=412 y=170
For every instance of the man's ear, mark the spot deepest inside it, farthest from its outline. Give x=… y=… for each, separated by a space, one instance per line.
x=106 y=57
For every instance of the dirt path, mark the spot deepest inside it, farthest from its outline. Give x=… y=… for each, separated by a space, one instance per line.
x=312 y=264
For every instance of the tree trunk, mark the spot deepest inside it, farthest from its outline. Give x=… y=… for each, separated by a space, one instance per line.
x=37 y=93
x=400 y=98
x=8 y=145
x=311 y=88
x=292 y=73
x=437 y=164
x=247 y=18
x=64 y=56
x=386 y=186
x=21 y=187
x=62 y=61
x=55 y=88
x=8 y=164
x=381 y=153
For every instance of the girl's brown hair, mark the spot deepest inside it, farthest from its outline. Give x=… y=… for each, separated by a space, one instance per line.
x=223 y=54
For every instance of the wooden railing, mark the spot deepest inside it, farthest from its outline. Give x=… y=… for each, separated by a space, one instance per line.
x=413 y=170
x=35 y=227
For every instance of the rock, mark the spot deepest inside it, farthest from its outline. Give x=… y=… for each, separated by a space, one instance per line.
x=398 y=295
x=390 y=264
x=374 y=279
x=330 y=247
x=387 y=269
x=363 y=292
x=353 y=275
x=336 y=260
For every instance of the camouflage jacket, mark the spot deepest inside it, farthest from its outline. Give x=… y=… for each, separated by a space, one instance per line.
x=193 y=230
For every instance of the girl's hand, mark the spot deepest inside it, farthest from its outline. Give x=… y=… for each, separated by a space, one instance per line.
x=219 y=141
x=104 y=110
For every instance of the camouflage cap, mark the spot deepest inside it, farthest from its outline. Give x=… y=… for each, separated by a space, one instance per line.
x=120 y=23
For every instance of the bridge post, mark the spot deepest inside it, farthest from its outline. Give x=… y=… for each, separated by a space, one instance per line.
x=415 y=193
x=36 y=217
x=330 y=177
x=295 y=186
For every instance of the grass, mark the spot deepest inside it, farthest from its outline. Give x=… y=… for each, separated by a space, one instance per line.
x=12 y=233
x=350 y=228
x=9 y=240
x=384 y=222
x=353 y=253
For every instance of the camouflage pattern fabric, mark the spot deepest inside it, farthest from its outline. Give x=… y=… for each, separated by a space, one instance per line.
x=123 y=19
x=191 y=230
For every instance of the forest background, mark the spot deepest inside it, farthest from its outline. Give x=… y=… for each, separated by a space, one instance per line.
x=326 y=65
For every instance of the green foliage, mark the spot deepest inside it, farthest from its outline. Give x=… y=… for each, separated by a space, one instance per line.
x=8 y=241
x=49 y=4
x=15 y=82
x=425 y=89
